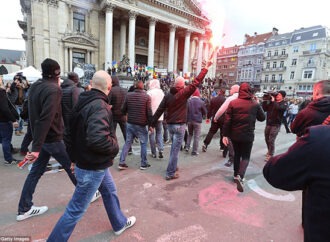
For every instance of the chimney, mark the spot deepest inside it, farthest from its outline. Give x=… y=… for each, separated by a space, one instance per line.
x=255 y=34
x=275 y=31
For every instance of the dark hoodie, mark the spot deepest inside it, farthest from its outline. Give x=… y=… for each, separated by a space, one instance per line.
x=241 y=116
x=314 y=114
x=93 y=144
x=117 y=97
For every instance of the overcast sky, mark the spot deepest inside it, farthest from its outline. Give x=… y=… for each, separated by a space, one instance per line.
x=240 y=17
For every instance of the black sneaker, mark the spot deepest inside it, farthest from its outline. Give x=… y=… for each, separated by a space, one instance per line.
x=229 y=163
x=239 y=183
x=204 y=148
x=12 y=162
x=194 y=153
x=122 y=166
x=130 y=151
x=225 y=152
x=160 y=155
x=153 y=156
x=145 y=167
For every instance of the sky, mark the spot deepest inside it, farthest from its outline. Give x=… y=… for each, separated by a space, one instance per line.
x=236 y=18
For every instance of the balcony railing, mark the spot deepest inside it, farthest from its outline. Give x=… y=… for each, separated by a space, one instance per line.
x=276 y=57
x=311 y=52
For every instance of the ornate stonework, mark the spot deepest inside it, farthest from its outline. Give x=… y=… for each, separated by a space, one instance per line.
x=53 y=3
x=79 y=38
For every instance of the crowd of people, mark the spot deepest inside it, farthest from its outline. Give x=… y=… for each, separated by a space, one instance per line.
x=78 y=129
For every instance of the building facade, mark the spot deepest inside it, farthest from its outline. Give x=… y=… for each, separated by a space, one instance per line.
x=226 y=67
x=295 y=61
x=170 y=34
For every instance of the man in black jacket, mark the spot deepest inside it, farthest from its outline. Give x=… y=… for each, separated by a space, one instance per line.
x=70 y=95
x=239 y=126
x=275 y=109
x=117 y=97
x=45 y=114
x=137 y=106
x=8 y=117
x=316 y=111
x=306 y=166
x=215 y=104
x=93 y=146
x=175 y=102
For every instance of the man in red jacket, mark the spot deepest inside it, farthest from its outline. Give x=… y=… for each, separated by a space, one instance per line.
x=175 y=102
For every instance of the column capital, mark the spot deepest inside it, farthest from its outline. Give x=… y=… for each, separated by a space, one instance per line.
x=152 y=21
x=188 y=32
x=109 y=7
x=132 y=15
x=173 y=27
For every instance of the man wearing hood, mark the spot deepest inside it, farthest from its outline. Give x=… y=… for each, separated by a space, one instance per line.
x=316 y=111
x=70 y=95
x=94 y=146
x=239 y=126
x=175 y=103
x=156 y=96
x=117 y=97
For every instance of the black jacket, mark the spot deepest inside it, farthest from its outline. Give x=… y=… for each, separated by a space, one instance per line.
x=45 y=112
x=7 y=110
x=275 y=111
x=117 y=97
x=175 y=102
x=215 y=104
x=93 y=144
x=241 y=116
x=315 y=113
x=306 y=166
x=137 y=106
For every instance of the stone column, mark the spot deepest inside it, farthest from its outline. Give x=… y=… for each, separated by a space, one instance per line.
x=171 y=48
x=66 y=60
x=29 y=49
x=186 y=56
x=108 y=36
x=200 y=54
x=176 y=48
x=151 y=47
x=131 y=38
x=207 y=50
x=88 y=59
x=123 y=27
x=70 y=59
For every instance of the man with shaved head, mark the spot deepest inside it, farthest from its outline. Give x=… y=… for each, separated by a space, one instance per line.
x=93 y=148
x=175 y=103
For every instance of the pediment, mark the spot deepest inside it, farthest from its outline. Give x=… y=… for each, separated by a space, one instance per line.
x=79 y=39
x=188 y=6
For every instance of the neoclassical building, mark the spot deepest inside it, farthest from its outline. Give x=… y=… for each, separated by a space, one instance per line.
x=167 y=34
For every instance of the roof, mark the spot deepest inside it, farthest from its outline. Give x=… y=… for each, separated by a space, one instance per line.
x=10 y=56
x=258 y=38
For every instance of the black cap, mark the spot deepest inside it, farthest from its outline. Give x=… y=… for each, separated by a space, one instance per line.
x=50 y=68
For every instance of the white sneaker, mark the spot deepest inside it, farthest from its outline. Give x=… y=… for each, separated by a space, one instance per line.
x=34 y=211
x=96 y=196
x=130 y=222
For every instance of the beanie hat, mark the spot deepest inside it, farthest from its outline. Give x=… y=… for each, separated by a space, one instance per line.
x=73 y=77
x=50 y=68
x=283 y=93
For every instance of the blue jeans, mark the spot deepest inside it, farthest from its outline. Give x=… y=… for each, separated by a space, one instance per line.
x=20 y=121
x=134 y=130
x=88 y=181
x=6 y=134
x=159 y=138
x=194 y=129
x=58 y=151
x=177 y=134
